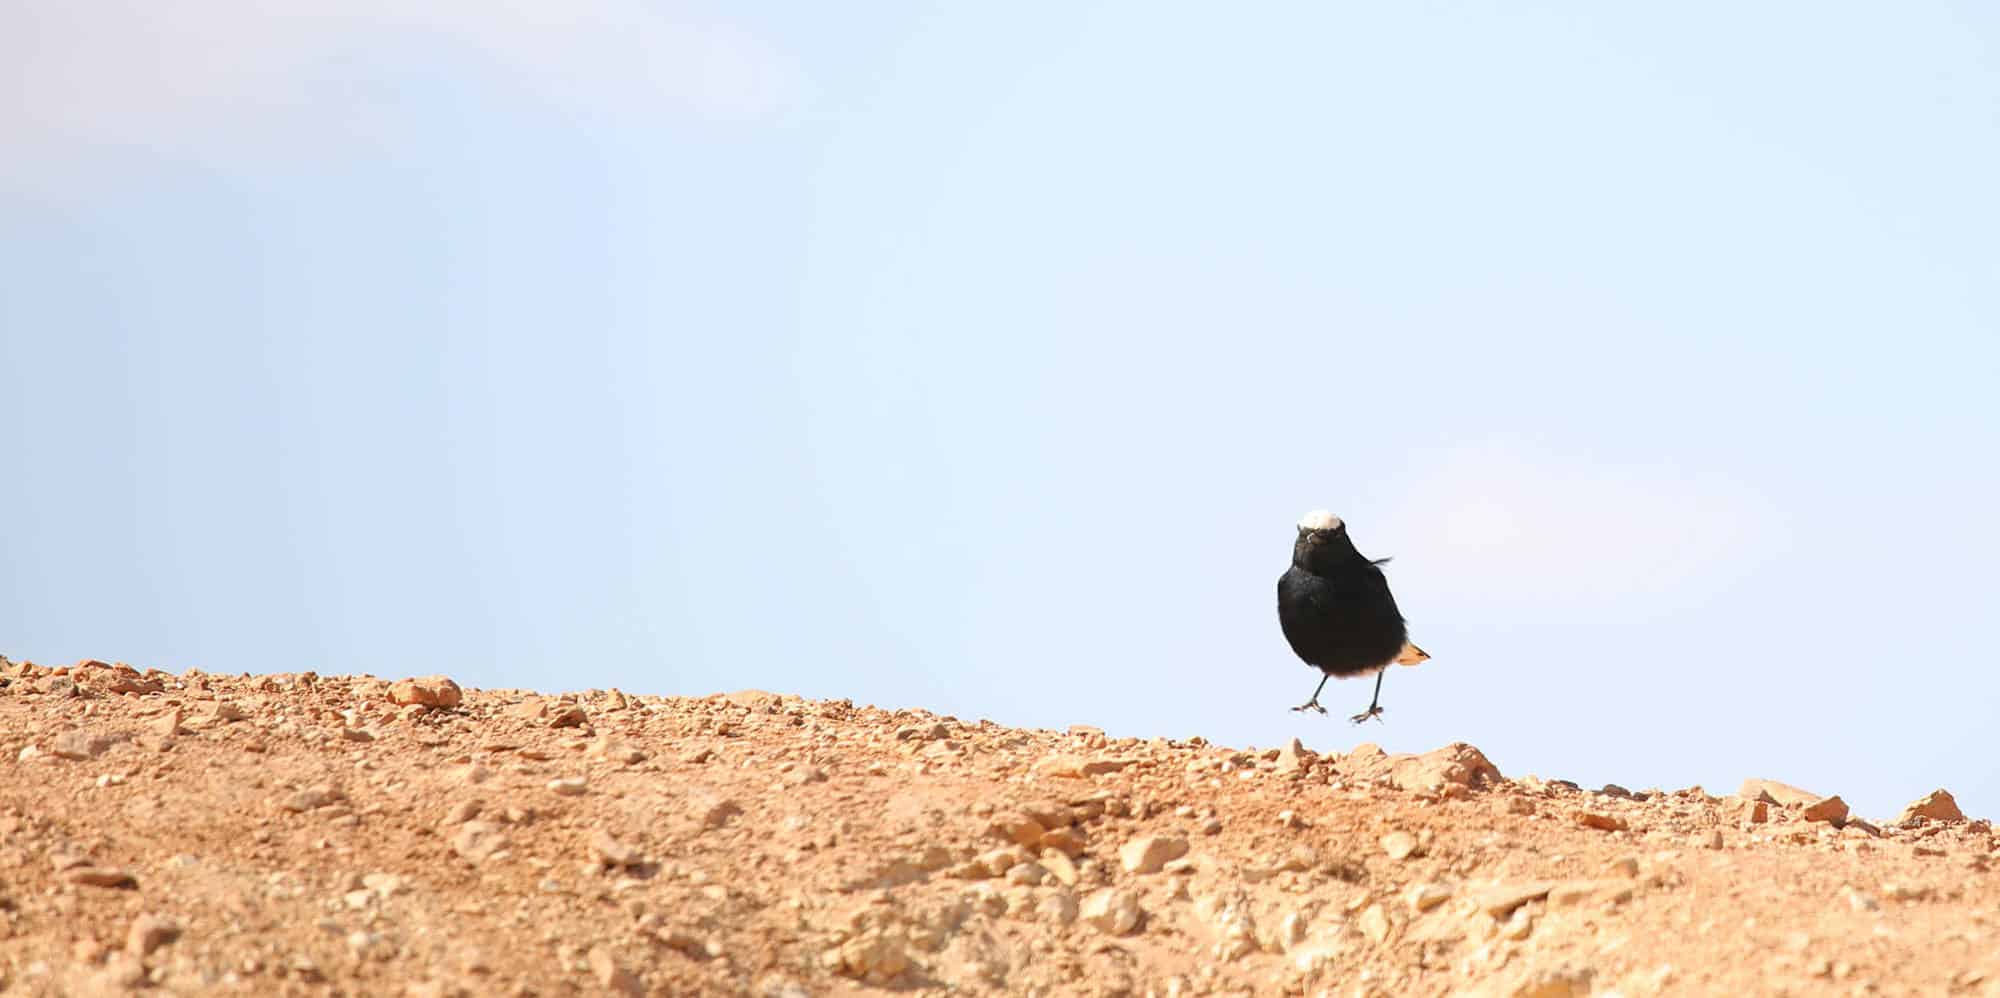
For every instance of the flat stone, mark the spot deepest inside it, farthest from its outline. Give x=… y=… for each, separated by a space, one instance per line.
x=1076 y=766
x=611 y=852
x=1773 y=792
x=150 y=932
x=479 y=841
x=876 y=956
x=167 y=724
x=757 y=700
x=1457 y=764
x=311 y=798
x=1058 y=907
x=996 y=862
x=1424 y=897
x=612 y=977
x=1574 y=893
x=1015 y=827
x=78 y=745
x=620 y=752
x=1399 y=845
x=686 y=942
x=1831 y=810
x=302 y=967
x=130 y=684
x=1068 y=841
x=1112 y=911
x=1373 y=923
x=1938 y=805
x=930 y=859
x=1050 y=814
x=436 y=692
x=1501 y=901
x=99 y=876
x=1059 y=866
x=122 y=974
x=714 y=812
x=1561 y=982
x=385 y=884
x=1902 y=891
x=1026 y=874
x=223 y=712
x=1149 y=853
x=1602 y=822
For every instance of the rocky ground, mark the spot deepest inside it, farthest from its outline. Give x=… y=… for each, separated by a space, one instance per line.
x=299 y=834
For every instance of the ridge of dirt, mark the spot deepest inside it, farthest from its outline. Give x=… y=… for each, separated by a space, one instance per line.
x=300 y=834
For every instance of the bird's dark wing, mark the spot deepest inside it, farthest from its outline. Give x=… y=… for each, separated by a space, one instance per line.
x=1361 y=580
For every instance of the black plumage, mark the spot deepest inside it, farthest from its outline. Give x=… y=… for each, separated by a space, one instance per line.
x=1336 y=610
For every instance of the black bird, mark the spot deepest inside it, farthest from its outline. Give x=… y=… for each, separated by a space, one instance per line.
x=1337 y=613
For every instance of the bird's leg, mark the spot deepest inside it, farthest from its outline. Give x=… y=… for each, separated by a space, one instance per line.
x=1374 y=703
x=1313 y=704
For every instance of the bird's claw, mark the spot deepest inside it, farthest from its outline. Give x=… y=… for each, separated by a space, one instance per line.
x=1374 y=712
x=1312 y=704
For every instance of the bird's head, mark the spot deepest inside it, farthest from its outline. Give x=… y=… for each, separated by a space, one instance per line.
x=1320 y=526
x=1319 y=530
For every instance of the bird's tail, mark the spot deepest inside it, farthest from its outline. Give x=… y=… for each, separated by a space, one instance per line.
x=1411 y=655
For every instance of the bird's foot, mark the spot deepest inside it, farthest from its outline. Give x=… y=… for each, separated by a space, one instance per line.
x=1373 y=711
x=1312 y=704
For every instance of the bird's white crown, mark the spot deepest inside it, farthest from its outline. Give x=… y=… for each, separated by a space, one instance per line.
x=1319 y=519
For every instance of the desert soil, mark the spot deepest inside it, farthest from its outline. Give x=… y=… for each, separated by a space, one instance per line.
x=287 y=834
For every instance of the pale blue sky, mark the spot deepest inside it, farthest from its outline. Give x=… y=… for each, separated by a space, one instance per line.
x=980 y=358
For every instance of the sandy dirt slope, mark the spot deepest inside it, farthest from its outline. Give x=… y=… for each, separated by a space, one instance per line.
x=297 y=834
